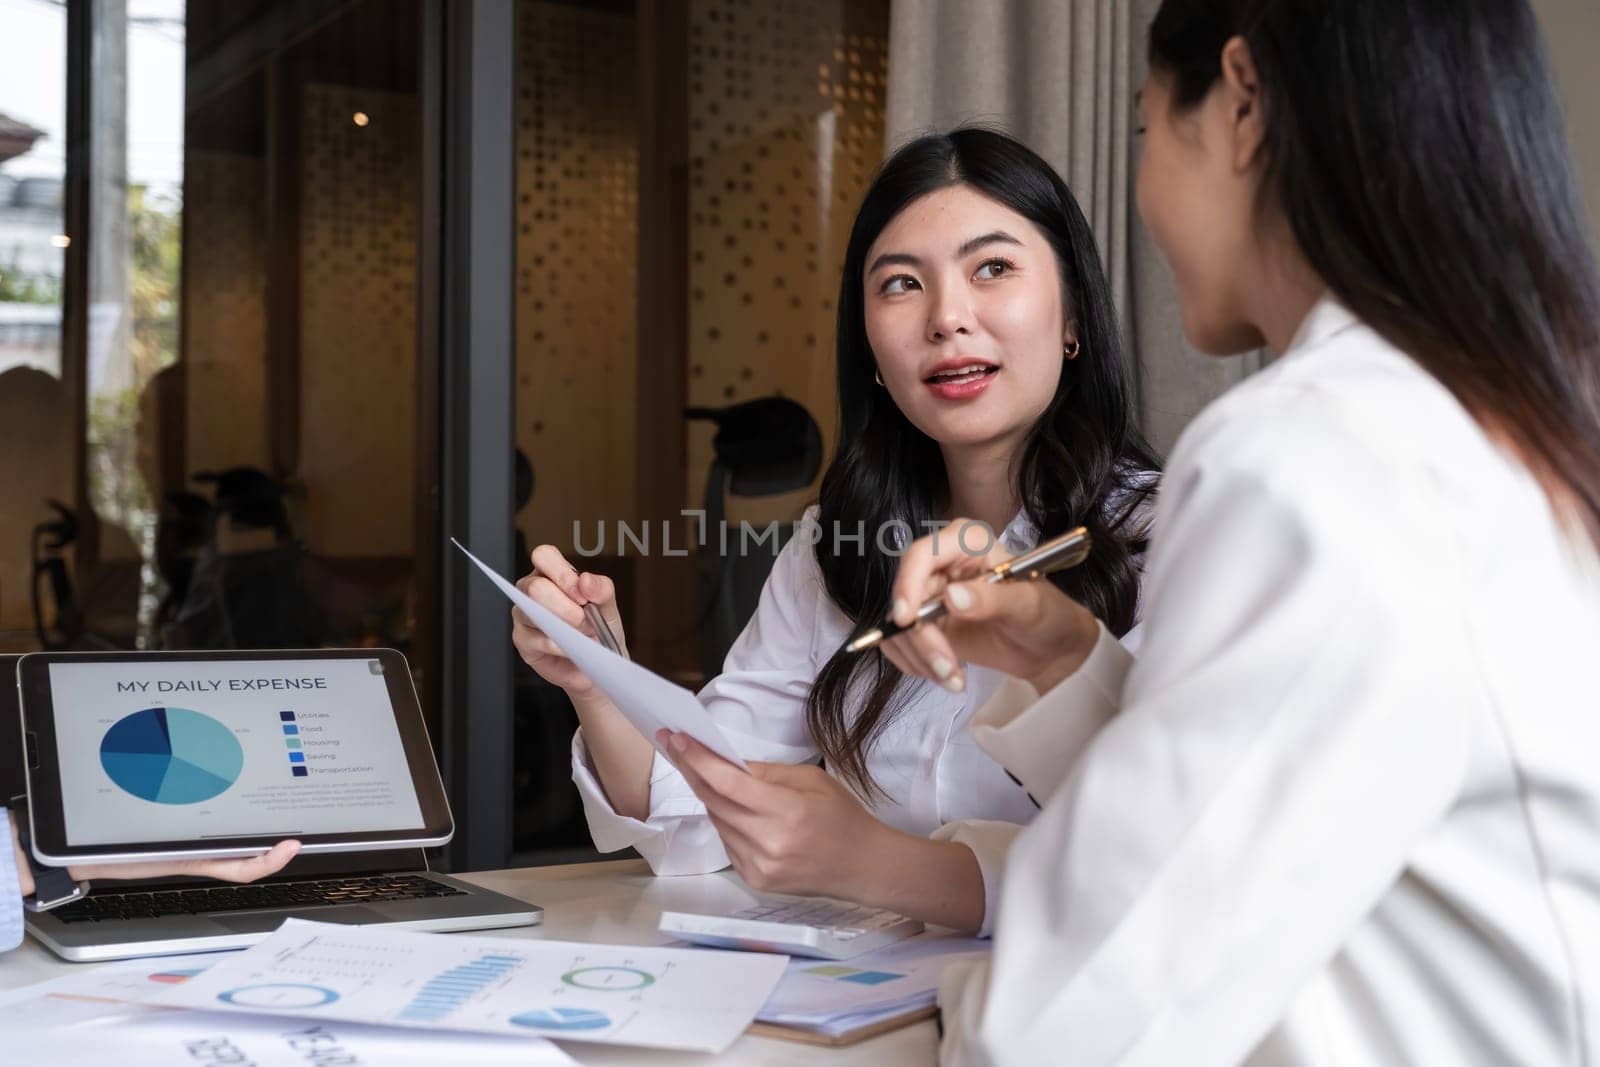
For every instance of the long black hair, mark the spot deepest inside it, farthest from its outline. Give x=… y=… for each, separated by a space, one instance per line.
x=1084 y=462
x=1418 y=152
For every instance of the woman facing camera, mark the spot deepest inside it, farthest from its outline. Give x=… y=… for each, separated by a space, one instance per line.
x=980 y=373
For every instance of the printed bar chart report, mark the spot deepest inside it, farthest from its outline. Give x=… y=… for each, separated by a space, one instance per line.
x=692 y=999
x=442 y=996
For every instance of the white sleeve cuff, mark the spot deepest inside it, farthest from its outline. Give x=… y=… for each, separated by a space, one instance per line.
x=678 y=838
x=990 y=842
x=1039 y=738
x=610 y=830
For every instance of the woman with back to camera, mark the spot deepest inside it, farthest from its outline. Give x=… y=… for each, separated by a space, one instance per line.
x=1347 y=806
x=980 y=372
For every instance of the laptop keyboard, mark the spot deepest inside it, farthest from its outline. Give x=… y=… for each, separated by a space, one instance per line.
x=103 y=907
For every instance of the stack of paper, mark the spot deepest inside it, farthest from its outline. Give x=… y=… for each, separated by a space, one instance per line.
x=365 y=980
x=320 y=991
x=836 y=998
x=654 y=997
x=79 y=1017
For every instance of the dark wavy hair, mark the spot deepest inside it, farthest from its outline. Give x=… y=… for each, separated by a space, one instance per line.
x=1418 y=151
x=1084 y=462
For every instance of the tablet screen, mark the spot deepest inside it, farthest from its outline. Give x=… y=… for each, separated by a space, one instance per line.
x=174 y=750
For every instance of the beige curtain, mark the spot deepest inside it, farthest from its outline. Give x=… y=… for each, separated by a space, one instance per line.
x=1060 y=75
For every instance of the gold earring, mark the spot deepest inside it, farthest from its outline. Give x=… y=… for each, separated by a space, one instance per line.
x=877 y=377
x=1070 y=349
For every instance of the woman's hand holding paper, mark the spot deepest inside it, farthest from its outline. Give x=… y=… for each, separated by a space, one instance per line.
x=787 y=828
x=795 y=829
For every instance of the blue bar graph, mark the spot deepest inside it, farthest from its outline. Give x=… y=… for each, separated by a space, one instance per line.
x=442 y=994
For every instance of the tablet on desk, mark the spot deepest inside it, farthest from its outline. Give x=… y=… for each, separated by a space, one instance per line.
x=163 y=755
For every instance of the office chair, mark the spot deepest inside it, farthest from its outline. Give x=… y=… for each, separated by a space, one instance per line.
x=52 y=580
x=248 y=588
x=762 y=447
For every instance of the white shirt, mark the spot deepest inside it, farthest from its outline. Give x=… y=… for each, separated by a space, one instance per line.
x=1347 y=810
x=936 y=778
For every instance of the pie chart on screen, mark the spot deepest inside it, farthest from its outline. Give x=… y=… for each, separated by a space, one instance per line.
x=171 y=755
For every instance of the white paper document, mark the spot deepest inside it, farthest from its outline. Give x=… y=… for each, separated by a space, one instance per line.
x=113 y=982
x=80 y=1018
x=652 y=997
x=649 y=701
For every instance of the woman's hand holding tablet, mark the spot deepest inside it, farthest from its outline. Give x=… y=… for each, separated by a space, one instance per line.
x=248 y=869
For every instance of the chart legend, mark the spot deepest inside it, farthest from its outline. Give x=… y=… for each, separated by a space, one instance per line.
x=292 y=743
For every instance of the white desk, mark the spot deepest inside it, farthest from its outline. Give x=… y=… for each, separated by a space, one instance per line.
x=614 y=903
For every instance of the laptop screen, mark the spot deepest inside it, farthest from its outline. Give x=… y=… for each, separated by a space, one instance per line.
x=188 y=750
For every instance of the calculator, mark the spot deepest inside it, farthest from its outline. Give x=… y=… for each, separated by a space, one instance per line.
x=808 y=926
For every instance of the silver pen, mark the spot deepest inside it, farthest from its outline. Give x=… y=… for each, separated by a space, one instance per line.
x=601 y=631
x=597 y=621
x=1059 y=553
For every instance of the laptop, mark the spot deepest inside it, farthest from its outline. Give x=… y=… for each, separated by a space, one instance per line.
x=168 y=916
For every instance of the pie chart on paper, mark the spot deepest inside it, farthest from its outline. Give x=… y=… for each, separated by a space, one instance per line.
x=171 y=755
x=558 y=1019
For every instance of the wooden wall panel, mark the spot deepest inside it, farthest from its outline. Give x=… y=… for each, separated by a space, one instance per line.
x=786 y=114
x=225 y=329
x=577 y=222
x=358 y=332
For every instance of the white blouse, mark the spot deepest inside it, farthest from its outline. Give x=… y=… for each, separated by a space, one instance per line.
x=1346 y=808
x=936 y=778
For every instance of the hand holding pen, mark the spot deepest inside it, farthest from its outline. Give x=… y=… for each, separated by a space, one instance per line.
x=586 y=601
x=986 y=610
x=1058 y=553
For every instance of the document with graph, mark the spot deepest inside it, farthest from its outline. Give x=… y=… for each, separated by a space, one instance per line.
x=692 y=999
x=837 y=999
x=95 y=1015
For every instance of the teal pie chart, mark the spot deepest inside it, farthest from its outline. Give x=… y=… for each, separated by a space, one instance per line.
x=171 y=755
